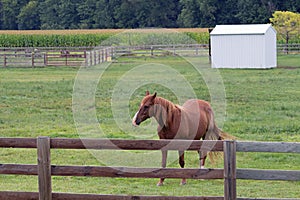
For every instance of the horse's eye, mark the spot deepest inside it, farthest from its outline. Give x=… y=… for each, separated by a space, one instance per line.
x=146 y=107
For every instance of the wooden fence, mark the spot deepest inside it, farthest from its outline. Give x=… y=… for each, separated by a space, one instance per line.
x=162 y=50
x=40 y=57
x=99 y=55
x=87 y=56
x=65 y=57
x=44 y=170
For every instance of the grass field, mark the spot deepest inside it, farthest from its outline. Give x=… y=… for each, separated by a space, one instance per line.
x=261 y=105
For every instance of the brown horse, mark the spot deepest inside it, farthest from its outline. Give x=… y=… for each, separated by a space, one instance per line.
x=191 y=121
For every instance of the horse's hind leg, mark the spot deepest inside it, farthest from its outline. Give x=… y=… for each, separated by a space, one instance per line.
x=181 y=163
x=202 y=158
x=163 y=165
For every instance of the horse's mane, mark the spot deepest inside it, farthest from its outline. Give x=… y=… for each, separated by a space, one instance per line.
x=169 y=107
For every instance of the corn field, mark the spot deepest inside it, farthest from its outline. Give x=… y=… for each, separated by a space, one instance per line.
x=111 y=37
x=75 y=38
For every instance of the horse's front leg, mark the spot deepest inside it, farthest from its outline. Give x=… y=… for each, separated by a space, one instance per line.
x=181 y=163
x=164 y=154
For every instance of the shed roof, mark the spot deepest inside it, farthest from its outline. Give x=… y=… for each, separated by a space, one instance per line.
x=241 y=29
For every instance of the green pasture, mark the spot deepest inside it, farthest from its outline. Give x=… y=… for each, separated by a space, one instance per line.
x=261 y=105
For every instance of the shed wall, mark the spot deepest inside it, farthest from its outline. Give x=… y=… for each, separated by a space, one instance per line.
x=237 y=51
x=271 y=49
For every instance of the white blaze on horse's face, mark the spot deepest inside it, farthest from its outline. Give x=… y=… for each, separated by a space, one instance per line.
x=134 y=119
x=145 y=110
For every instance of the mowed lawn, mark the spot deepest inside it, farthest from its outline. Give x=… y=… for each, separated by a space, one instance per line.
x=261 y=105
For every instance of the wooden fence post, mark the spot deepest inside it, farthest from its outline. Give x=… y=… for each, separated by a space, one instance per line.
x=174 y=50
x=106 y=55
x=45 y=59
x=229 y=170
x=151 y=50
x=44 y=168
x=99 y=56
x=103 y=56
x=91 y=58
x=4 y=60
x=87 y=59
x=112 y=53
x=66 y=61
x=32 y=59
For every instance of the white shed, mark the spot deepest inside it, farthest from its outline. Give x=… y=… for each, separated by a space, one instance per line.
x=243 y=46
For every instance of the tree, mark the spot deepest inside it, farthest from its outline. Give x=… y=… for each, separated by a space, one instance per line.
x=226 y=12
x=208 y=11
x=286 y=23
x=190 y=13
x=104 y=13
x=49 y=10
x=252 y=12
x=9 y=13
x=68 y=15
x=86 y=11
x=126 y=15
x=28 y=18
x=71 y=14
x=162 y=13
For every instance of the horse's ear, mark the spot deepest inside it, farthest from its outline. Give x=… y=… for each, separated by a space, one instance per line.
x=154 y=95
x=147 y=92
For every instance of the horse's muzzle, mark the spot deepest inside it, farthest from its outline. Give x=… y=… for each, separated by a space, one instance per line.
x=135 y=121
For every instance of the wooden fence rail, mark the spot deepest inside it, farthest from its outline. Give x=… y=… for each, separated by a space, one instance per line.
x=44 y=170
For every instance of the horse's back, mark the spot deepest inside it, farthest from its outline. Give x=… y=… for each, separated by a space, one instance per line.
x=194 y=105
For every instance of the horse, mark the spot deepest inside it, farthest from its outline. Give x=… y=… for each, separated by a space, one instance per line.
x=194 y=120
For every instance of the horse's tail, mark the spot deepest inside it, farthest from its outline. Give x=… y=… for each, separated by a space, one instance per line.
x=214 y=133
x=225 y=136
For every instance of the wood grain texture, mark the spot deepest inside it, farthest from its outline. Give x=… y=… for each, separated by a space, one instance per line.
x=137 y=144
x=64 y=143
x=230 y=170
x=255 y=174
x=18 y=142
x=44 y=168
x=13 y=195
x=94 y=171
x=137 y=172
x=278 y=147
x=9 y=195
x=16 y=169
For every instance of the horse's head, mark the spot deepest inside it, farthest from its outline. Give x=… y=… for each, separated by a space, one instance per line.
x=146 y=109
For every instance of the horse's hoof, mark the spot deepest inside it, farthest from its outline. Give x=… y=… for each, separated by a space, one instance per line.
x=159 y=184
x=183 y=182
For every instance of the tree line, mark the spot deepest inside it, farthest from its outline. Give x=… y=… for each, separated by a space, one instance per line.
x=101 y=14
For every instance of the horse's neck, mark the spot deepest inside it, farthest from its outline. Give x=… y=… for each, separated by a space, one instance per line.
x=165 y=111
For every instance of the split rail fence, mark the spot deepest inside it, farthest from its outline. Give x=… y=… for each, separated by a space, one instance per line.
x=44 y=170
